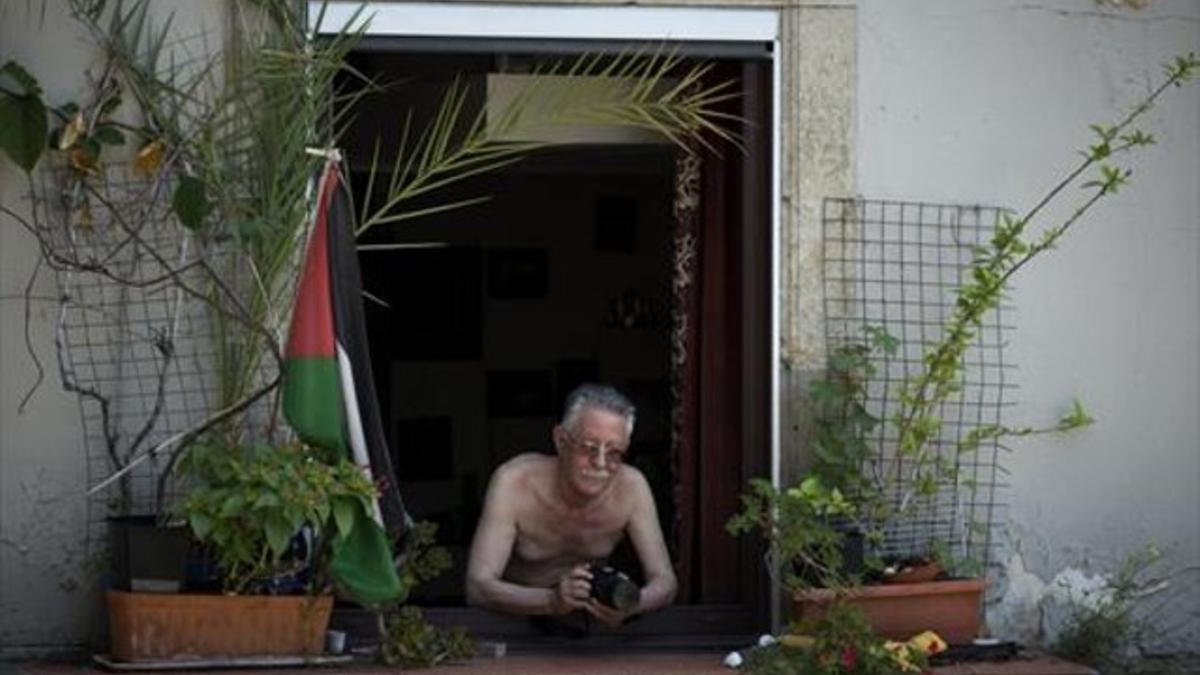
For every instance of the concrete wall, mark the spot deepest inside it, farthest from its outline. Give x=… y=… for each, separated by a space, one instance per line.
x=817 y=128
x=986 y=101
x=49 y=598
x=46 y=597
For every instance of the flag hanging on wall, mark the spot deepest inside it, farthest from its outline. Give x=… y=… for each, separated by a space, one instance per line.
x=329 y=394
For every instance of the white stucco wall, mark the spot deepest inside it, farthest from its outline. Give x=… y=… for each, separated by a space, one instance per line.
x=44 y=585
x=49 y=592
x=986 y=101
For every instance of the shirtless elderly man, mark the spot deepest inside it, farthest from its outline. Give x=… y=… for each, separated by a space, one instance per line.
x=546 y=517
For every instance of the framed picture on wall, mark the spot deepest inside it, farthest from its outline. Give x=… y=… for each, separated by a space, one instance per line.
x=517 y=273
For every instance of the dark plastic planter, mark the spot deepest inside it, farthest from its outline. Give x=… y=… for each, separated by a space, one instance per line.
x=148 y=557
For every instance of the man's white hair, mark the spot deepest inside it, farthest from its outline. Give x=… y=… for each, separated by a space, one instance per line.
x=598 y=397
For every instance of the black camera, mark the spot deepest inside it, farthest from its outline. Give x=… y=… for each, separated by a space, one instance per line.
x=613 y=588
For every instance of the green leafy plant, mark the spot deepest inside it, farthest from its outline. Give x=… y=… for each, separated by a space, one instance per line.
x=22 y=116
x=1016 y=241
x=842 y=422
x=805 y=524
x=1112 y=627
x=839 y=643
x=423 y=560
x=411 y=642
x=800 y=525
x=915 y=471
x=248 y=503
x=406 y=638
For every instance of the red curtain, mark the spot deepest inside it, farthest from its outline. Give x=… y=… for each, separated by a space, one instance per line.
x=707 y=373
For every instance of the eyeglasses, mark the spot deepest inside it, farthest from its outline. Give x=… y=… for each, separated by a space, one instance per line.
x=610 y=453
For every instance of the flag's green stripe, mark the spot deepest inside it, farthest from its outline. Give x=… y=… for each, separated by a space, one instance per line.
x=362 y=564
x=312 y=401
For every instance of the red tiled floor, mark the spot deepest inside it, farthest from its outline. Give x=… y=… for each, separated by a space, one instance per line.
x=592 y=664
x=1042 y=665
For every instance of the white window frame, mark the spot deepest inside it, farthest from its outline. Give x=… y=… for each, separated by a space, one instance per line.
x=579 y=22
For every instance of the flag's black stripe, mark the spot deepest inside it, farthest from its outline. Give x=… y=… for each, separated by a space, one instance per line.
x=350 y=331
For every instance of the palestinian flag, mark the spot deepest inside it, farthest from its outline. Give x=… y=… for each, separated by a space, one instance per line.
x=329 y=394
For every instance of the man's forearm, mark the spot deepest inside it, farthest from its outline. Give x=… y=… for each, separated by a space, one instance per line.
x=656 y=594
x=503 y=596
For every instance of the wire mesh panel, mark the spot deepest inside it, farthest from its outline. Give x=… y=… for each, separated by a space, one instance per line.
x=134 y=332
x=897 y=265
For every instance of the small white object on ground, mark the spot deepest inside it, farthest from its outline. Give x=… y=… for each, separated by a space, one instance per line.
x=986 y=642
x=766 y=640
x=733 y=660
x=491 y=650
x=335 y=641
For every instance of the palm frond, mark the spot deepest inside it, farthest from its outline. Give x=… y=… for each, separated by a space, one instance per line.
x=650 y=91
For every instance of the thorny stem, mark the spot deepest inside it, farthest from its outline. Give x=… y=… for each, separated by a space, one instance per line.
x=37 y=363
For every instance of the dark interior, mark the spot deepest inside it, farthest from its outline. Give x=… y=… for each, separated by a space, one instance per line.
x=497 y=310
x=558 y=280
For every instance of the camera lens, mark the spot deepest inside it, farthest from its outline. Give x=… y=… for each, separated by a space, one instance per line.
x=614 y=588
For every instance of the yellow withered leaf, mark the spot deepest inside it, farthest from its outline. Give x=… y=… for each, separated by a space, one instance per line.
x=71 y=131
x=83 y=162
x=797 y=641
x=150 y=158
x=928 y=642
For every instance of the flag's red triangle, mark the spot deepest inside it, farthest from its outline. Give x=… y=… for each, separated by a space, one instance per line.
x=312 y=319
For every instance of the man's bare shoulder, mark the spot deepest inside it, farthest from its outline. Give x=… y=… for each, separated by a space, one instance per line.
x=521 y=469
x=632 y=481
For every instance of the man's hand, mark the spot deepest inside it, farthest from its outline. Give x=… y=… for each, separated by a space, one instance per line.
x=607 y=615
x=573 y=591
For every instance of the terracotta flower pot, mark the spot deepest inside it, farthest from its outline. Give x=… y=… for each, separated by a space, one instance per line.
x=898 y=611
x=153 y=626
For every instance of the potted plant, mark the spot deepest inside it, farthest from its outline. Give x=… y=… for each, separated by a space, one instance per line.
x=822 y=532
x=270 y=515
x=852 y=482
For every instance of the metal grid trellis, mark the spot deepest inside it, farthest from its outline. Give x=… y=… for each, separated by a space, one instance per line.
x=141 y=356
x=896 y=265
